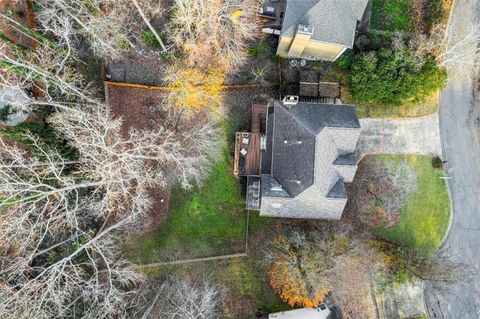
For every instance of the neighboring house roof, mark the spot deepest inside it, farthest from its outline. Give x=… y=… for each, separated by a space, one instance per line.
x=334 y=21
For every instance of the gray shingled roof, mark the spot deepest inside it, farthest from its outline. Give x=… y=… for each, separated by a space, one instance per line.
x=267 y=154
x=346 y=159
x=334 y=21
x=271 y=187
x=338 y=190
x=316 y=116
x=294 y=135
x=293 y=154
x=307 y=179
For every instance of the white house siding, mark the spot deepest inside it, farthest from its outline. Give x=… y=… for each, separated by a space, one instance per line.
x=347 y=172
x=309 y=205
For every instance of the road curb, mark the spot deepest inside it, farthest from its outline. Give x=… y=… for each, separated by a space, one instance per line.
x=452 y=211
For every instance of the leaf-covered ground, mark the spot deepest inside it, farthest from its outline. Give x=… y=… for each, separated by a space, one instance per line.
x=424 y=217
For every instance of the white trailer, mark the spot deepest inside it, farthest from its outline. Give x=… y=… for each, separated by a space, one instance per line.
x=321 y=312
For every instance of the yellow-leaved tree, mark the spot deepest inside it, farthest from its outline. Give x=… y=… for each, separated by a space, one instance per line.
x=193 y=90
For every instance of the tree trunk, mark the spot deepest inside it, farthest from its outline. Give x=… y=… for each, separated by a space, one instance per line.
x=144 y=17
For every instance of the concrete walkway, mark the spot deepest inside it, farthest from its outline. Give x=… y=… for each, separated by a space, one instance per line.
x=400 y=136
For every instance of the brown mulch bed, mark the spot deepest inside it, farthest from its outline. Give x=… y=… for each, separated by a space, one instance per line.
x=143 y=109
x=371 y=184
x=157 y=214
x=140 y=109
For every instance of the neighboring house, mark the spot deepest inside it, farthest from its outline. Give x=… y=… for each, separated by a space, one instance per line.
x=322 y=312
x=319 y=29
x=299 y=159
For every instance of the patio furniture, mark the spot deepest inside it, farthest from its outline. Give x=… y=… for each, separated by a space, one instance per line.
x=243 y=152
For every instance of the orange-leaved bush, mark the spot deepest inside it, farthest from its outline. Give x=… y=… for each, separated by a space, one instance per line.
x=297 y=270
x=292 y=290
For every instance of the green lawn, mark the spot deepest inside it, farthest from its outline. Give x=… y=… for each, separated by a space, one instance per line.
x=248 y=278
x=409 y=109
x=392 y=15
x=204 y=221
x=245 y=278
x=425 y=216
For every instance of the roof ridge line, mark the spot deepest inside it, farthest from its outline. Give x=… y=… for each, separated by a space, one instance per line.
x=299 y=121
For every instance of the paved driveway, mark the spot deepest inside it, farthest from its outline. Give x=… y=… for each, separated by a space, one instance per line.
x=400 y=136
x=460 y=133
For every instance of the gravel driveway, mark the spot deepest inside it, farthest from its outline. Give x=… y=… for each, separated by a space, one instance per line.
x=400 y=136
x=460 y=132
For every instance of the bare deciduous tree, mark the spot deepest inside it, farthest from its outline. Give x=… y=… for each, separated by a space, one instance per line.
x=55 y=258
x=53 y=263
x=179 y=298
x=214 y=32
x=435 y=268
x=174 y=157
x=111 y=27
x=51 y=72
x=59 y=253
x=72 y=20
x=451 y=48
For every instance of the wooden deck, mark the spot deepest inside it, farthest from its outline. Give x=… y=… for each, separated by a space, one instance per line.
x=248 y=155
x=259 y=118
x=248 y=164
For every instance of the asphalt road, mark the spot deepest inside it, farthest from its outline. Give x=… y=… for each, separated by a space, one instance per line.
x=460 y=135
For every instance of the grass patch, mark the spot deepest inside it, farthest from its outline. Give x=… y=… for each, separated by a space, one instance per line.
x=259 y=49
x=149 y=39
x=245 y=278
x=248 y=278
x=205 y=221
x=409 y=109
x=425 y=216
x=211 y=220
x=392 y=15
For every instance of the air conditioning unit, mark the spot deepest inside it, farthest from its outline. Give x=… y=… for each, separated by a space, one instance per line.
x=290 y=100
